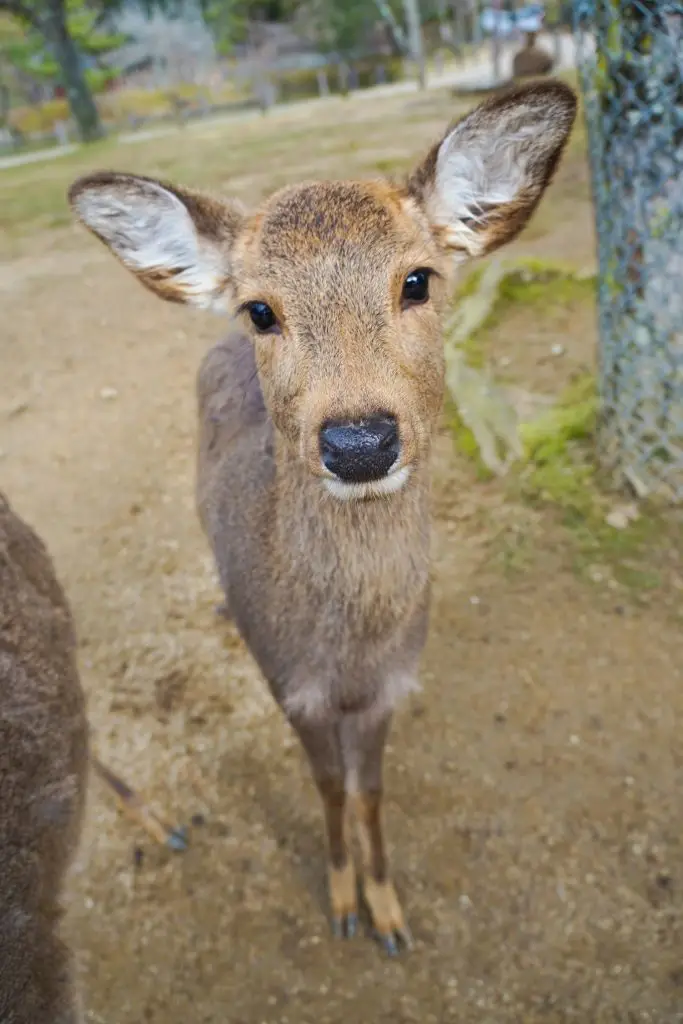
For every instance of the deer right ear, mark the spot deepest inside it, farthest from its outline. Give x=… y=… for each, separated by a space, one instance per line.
x=482 y=182
x=178 y=243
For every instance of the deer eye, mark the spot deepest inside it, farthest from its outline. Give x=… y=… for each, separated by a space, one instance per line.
x=416 y=287
x=262 y=316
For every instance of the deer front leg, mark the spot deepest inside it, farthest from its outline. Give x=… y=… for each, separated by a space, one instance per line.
x=363 y=741
x=323 y=747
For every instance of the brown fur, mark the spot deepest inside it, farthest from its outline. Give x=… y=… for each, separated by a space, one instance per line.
x=332 y=595
x=531 y=60
x=43 y=758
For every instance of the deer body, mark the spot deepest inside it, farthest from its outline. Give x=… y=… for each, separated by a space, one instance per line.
x=43 y=766
x=330 y=597
x=531 y=60
x=316 y=421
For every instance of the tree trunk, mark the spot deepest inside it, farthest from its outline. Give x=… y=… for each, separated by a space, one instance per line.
x=4 y=104
x=55 y=30
x=496 y=43
x=495 y=54
x=460 y=20
x=415 y=42
x=396 y=33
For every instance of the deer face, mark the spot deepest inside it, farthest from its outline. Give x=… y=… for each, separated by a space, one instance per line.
x=343 y=285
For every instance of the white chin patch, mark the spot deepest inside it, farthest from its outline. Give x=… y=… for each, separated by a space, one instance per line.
x=389 y=484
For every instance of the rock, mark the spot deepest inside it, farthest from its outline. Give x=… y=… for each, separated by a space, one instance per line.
x=620 y=517
x=17 y=409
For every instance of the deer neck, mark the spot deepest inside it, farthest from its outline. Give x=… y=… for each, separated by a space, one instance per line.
x=373 y=552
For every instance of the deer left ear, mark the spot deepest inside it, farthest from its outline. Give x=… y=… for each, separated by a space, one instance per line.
x=480 y=185
x=178 y=243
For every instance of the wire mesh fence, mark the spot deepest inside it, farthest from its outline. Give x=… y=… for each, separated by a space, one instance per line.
x=630 y=60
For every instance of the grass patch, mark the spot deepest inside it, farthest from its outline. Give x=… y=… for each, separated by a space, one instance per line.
x=558 y=474
x=541 y=286
x=314 y=140
x=465 y=441
x=477 y=414
x=572 y=418
x=545 y=287
x=561 y=477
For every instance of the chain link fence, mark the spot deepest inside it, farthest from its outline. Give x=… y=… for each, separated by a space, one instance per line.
x=630 y=61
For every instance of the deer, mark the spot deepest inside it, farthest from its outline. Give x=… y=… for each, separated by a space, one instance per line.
x=317 y=413
x=44 y=742
x=532 y=60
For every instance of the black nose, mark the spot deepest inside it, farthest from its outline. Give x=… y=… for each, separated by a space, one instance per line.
x=362 y=451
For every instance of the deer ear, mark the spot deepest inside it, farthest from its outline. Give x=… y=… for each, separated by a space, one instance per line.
x=178 y=243
x=482 y=182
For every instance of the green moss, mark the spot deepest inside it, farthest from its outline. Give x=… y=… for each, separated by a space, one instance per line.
x=470 y=284
x=552 y=287
x=629 y=555
x=465 y=441
x=573 y=418
x=514 y=552
x=566 y=481
x=546 y=285
x=472 y=345
x=389 y=167
x=569 y=486
x=558 y=472
x=529 y=282
x=562 y=481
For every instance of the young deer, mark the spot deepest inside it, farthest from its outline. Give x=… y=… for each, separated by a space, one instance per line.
x=43 y=766
x=316 y=419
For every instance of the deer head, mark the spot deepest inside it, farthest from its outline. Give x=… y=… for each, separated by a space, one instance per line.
x=342 y=285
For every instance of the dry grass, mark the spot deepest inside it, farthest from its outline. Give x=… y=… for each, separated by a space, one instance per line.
x=253 y=154
x=246 y=155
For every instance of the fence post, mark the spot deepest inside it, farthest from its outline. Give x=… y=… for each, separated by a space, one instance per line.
x=343 y=76
x=630 y=59
x=61 y=133
x=323 y=82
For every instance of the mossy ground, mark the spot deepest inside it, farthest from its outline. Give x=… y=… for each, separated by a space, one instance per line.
x=559 y=473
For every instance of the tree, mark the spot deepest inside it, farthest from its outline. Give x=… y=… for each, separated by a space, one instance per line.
x=229 y=20
x=51 y=20
x=338 y=27
x=26 y=53
x=416 y=45
x=71 y=30
x=388 y=15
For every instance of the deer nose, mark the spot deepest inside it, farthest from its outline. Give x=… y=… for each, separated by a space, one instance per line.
x=360 y=451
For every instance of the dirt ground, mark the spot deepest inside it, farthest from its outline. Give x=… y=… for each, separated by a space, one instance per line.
x=534 y=788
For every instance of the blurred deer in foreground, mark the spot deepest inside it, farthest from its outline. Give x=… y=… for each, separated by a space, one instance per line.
x=316 y=420
x=43 y=774
x=43 y=769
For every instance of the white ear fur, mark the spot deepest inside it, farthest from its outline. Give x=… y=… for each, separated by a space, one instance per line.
x=152 y=231
x=492 y=168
